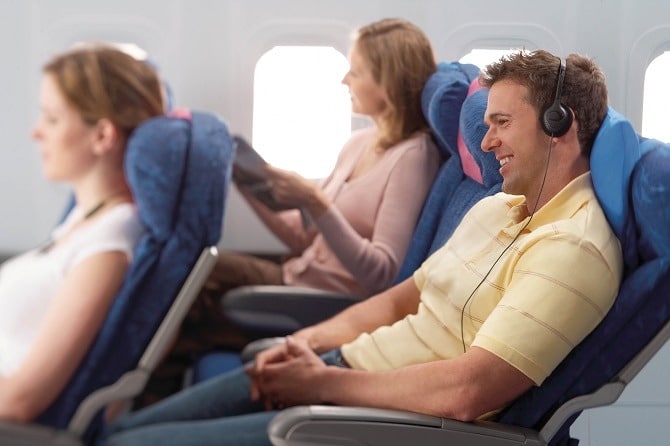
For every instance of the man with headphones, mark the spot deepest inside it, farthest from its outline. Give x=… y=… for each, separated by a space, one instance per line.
x=525 y=277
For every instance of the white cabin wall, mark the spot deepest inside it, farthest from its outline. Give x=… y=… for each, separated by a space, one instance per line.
x=207 y=50
x=21 y=194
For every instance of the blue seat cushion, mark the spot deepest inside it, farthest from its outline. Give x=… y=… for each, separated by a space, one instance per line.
x=214 y=364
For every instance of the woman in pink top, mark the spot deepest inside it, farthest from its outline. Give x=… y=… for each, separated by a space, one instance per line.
x=364 y=213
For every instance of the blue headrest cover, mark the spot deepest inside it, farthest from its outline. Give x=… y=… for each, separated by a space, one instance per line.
x=615 y=151
x=441 y=102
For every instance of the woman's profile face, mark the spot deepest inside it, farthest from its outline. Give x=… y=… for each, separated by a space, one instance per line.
x=367 y=96
x=65 y=140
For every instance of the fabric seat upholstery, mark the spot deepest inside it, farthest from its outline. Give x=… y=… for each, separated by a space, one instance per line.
x=179 y=172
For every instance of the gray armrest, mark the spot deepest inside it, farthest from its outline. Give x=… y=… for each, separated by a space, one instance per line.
x=31 y=434
x=281 y=310
x=250 y=351
x=333 y=425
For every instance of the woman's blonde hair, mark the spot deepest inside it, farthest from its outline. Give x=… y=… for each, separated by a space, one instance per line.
x=401 y=59
x=100 y=81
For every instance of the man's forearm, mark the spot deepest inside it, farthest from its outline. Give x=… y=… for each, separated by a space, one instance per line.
x=364 y=317
x=463 y=388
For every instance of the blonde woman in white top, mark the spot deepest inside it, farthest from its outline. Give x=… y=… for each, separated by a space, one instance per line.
x=54 y=298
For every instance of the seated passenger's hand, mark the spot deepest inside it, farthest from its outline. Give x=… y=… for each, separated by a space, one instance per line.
x=274 y=354
x=292 y=189
x=292 y=381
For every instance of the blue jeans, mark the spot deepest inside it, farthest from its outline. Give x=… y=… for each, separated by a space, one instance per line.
x=215 y=412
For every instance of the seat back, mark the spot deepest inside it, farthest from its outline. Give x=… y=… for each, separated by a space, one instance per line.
x=468 y=174
x=631 y=176
x=179 y=171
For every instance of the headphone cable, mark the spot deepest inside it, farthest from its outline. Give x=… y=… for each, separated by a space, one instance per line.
x=537 y=200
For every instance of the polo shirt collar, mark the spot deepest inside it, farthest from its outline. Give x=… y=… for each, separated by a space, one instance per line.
x=563 y=205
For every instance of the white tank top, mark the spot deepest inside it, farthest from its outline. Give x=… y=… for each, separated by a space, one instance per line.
x=30 y=281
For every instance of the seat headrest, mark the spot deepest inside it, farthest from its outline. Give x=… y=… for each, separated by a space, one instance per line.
x=152 y=147
x=441 y=102
x=650 y=192
x=615 y=151
x=155 y=165
x=479 y=165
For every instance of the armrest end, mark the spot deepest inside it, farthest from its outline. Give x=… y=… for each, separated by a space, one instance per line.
x=281 y=310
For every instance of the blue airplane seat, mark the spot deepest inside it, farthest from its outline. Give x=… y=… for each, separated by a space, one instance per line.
x=467 y=176
x=631 y=176
x=179 y=170
x=454 y=107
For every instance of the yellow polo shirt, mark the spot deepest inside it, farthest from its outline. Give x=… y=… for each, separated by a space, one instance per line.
x=549 y=289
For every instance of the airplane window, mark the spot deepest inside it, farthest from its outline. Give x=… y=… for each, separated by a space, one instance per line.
x=484 y=56
x=656 y=98
x=301 y=110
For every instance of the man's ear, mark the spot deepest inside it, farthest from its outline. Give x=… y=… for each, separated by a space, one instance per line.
x=106 y=136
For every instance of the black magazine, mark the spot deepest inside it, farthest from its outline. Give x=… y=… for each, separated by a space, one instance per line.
x=248 y=174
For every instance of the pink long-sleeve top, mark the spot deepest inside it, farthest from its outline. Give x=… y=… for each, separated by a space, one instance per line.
x=358 y=244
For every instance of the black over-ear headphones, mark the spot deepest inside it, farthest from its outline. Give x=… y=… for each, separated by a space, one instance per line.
x=557 y=118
